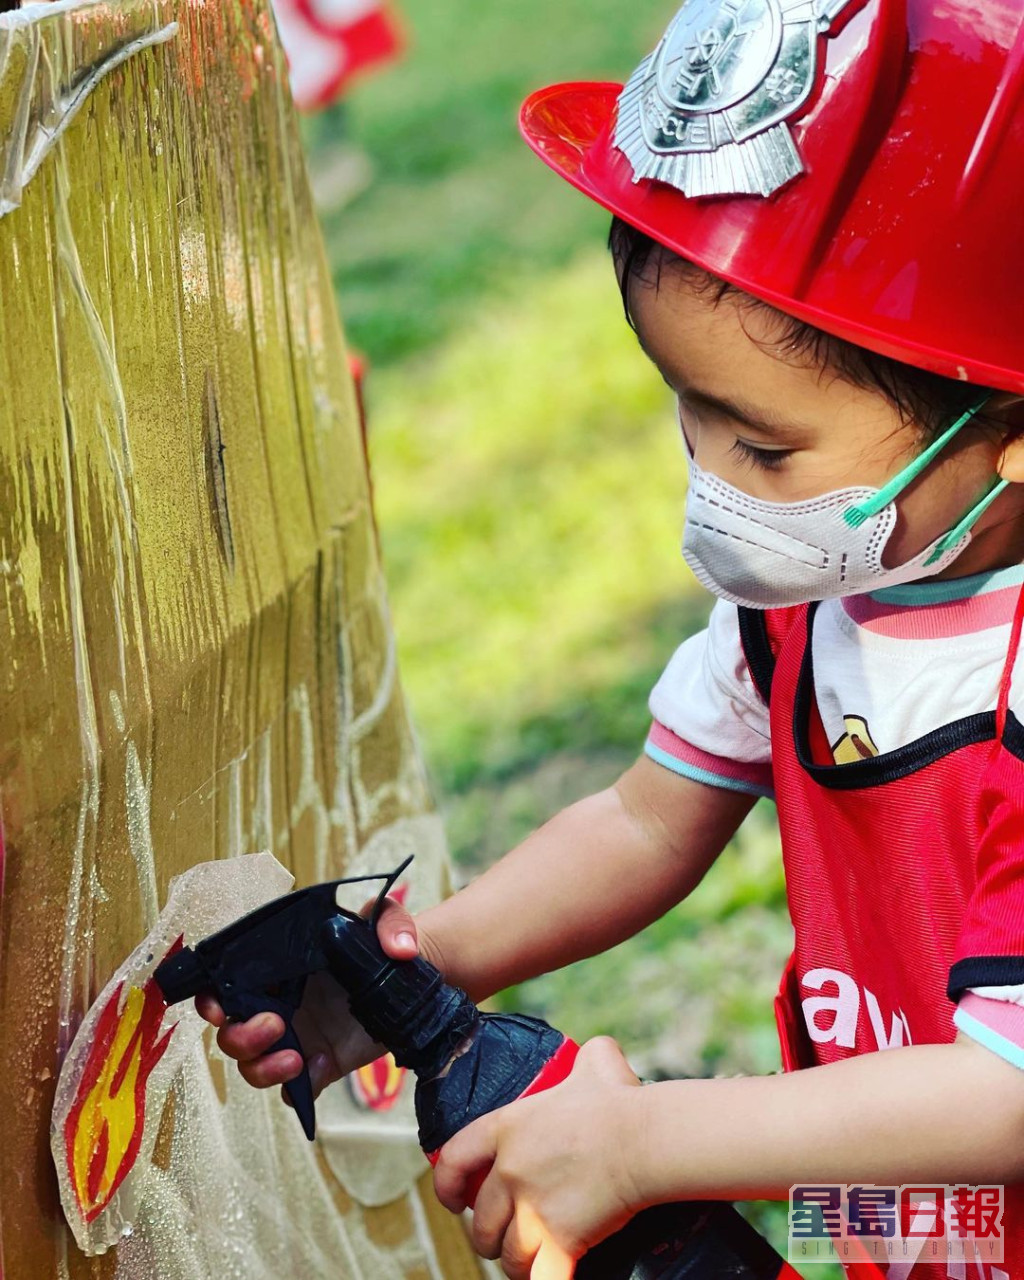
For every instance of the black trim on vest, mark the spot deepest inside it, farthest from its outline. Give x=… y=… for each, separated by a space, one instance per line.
x=890 y=765
x=757 y=649
x=985 y=971
x=1013 y=736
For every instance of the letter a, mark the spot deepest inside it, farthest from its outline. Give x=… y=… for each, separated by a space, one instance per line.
x=844 y=1006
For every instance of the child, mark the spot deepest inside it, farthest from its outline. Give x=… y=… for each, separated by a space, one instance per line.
x=825 y=265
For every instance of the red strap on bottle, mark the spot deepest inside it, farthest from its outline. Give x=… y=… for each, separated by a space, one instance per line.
x=1003 y=705
x=557 y=1068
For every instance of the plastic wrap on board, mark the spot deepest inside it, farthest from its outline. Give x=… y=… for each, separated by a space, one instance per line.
x=196 y=661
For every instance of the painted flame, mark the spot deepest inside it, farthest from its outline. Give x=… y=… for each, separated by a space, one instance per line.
x=378 y=1085
x=103 y=1130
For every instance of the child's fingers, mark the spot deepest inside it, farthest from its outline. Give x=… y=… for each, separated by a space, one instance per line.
x=321 y=1074
x=519 y=1249
x=208 y=1008
x=271 y=1069
x=396 y=929
x=240 y=1040
x=551 y=1263
x=464 y=1159
x=245 y=1041
x=493 y=1211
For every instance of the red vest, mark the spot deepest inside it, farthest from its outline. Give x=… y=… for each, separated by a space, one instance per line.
x=882 y=859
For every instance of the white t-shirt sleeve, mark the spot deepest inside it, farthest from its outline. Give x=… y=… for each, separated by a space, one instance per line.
x=710 y=723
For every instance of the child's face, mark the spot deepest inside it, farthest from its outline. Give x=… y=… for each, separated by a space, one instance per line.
x=779 y=428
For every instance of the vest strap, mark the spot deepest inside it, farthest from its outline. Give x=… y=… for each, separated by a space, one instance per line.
x=757 y=649
x=1003 y=705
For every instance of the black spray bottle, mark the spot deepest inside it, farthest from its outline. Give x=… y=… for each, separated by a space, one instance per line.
x=468 y=1063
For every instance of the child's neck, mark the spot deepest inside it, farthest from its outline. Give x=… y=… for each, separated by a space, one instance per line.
x=1000 y=545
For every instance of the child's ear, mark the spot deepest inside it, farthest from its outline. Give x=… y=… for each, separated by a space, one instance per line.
x=1011 y=461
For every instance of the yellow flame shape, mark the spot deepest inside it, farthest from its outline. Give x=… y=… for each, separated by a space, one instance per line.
x=380 y=1082
x=103 y=1131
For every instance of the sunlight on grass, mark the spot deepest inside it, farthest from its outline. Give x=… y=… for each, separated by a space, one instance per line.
x=460 y=208
x=530 y=485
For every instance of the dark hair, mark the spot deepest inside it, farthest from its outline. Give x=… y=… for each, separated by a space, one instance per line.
x=928 y=399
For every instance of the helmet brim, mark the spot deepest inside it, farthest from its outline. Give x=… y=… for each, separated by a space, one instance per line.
x=571 y=126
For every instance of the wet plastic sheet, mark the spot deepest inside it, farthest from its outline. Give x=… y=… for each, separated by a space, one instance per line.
x=196 y=660
x=129 y=1049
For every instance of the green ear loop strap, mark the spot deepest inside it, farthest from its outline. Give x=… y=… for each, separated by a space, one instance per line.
x=970 y=519
x=855 y=516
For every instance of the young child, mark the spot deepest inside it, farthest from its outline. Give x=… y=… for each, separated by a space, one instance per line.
x=818 y=241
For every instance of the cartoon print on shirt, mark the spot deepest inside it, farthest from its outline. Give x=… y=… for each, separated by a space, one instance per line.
x=856 y=743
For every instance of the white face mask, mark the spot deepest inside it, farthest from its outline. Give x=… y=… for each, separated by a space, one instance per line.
x=766 y=555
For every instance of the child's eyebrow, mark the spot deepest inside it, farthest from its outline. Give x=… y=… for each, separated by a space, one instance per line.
x=736 y=409
x=742 y=412
x=733 y=408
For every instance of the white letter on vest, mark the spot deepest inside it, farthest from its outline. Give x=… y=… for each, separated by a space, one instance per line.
x=895 y=1037
x=845 y=1006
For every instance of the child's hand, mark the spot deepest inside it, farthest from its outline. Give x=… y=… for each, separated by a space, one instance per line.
x=563 y=1168
x=333 y=1042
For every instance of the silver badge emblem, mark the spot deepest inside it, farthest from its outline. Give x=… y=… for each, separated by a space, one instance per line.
x=706 y=111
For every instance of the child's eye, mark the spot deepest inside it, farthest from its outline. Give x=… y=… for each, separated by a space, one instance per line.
x=765 y=459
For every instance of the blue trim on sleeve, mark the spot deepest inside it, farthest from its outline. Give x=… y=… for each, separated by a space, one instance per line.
x=989 y=1038
x=949 y=589
x=705 y=775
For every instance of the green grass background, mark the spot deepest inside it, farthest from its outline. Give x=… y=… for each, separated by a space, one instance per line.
x=529 y=487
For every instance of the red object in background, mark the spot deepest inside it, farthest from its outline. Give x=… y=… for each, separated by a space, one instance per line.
x=329 y=42
x=903 y=233
x=357 y=365
x=377 y=1086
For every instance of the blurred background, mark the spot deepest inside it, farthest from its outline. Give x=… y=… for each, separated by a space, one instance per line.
x=530 y=486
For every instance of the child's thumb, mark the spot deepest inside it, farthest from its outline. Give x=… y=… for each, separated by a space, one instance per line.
x=396 y=929
x=603 y=1058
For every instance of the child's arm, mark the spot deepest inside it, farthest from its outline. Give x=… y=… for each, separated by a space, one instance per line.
x=594 y=875
x=925 y=1113
x=569 y=1166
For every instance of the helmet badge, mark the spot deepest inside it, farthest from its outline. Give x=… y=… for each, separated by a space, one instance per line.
x=706 y=111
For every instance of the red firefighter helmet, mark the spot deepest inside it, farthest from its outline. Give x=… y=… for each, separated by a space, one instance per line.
x=859 y=165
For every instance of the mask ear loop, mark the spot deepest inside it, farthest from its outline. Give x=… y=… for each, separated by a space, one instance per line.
x=855 y=516
x=967 y=523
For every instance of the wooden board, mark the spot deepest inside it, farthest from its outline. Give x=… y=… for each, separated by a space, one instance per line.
x=195 y=654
